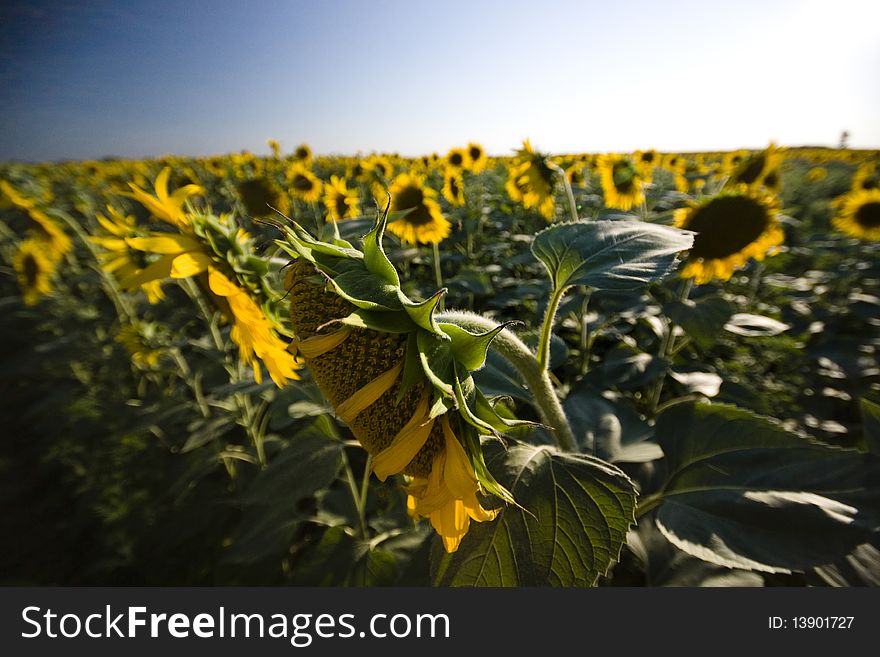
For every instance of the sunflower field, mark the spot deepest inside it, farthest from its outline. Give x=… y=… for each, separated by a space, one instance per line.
x=638 y=369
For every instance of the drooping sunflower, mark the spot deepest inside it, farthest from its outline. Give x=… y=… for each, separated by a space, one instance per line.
x=261 y=197
x=531 y=181
x=304 y=184
x=34 y=269
x=453 y=186
x=859 y=214
x=424 y=223
x=732 y=227
x=621 y=181
x=398 y=375
x=477 y=158
x=220 y=255
x=340 y=201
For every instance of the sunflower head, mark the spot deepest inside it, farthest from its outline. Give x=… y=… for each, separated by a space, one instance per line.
x=303 y=154
x=340 y=201
x=262 y=198
x=859 y=214
x=477 y=158
x=621 y=181
x=457 y=158
x=304 y=184
x=397 y=373
x=730 y=228
x=531 y=180
x=453 y=187
x=420 y=219
x=866 y=178
x=34 y=270
x=759 y=170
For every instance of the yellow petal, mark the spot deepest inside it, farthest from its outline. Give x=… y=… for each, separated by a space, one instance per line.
x=220 y=284
x=458 y=473
x=165 y=244
x=349 y=409
x=451 y=522
x=406 y=444
x=159 y=269
x=318 y=345
x=189 y=264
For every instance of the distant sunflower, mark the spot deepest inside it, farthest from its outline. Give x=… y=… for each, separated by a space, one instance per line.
x=646 y=161
x=621 y=181
x=731 y=228
x=425 y=224
x=303 y=183
x=865 y=177
x=531 y=181
x=732 y=160
x=477 y=157
x=453 y=187
x=816 y=174
x=34 y=269
x=457 y=159
x=341 y=202
x=303 y=154
x=261 y=197
x=758 y=170
x=859 y=214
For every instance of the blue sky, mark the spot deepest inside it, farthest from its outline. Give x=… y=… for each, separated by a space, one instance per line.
x=135 y=79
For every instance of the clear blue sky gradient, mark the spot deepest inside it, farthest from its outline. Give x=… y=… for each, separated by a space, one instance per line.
x=137 y=79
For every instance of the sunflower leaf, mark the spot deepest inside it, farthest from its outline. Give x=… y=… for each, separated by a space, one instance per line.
x=374 y=255
x=422 y=313
x=574 y=515
x=470 y=348
x=743 y=492
x=609 y=255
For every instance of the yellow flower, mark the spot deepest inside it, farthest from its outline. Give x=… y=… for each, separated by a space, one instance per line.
x=118 y=257
x=425 y=223
x=759 y=170
x=303 y=154
x=34 y=269
x=531 y=181
x=732 y=160
x=45 y=229
x=448 y=495
x=457 y=159
x=865 y=177
x=162 y=206
x=477 y=157
x=262 y=198
x=621 y=181
x=131 y=337
x=340 y=201
x=731 y=228
x=453 y=186
x=647 y=161
x=816 y=174
x=859 y=214
x=275 y=147
x=303 y=183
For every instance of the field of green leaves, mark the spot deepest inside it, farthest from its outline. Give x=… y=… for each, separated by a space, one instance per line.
x=637 y=369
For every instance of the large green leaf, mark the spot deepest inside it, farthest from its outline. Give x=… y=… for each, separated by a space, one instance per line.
x=702 y=319
x=575 y=513
x=743 y=492
x=609 y=255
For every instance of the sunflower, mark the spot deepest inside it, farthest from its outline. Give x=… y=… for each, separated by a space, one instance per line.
x=118 y=257
x=759 y=170
x=44 y=229
x=453 y=186
x=34 y=269
x=731 y=228
x=303 y=154
x=865 y=177
x=340 y=201
x=859 y=214
x=168 y=208
x=457 y=158
x=477 y=159
x=424 y=223
x=646 y=161
x=621 y=181
x=375 y=355
x=262 y=198
x=816 y=174
x=275 y=147
x=134 y=338
x=530 y=180
x=304 y=185
x=732 y=160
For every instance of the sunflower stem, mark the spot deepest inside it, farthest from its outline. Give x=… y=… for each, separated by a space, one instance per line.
x=572 y=205
x=585 y=330
x=438 y=275
x=547 y=328
x=666 y=346
x=355 y=496
x=537 y=379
